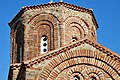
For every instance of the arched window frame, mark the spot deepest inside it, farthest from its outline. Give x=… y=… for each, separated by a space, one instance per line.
x=19 y=41
x=76 y=77
x=74 y=39
x=93 y=78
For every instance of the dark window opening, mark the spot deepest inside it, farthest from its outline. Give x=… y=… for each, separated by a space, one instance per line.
x=76 y=77
x=74 y=39
x=45 y=44
x=20 y=44
x=20 y=54
x=44 y=50
x=93 y=78
x=45 y=39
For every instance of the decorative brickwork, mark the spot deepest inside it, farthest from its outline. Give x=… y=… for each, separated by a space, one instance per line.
x=104 y=64
x=63 y=60
x=72 y=50
x=77 y=27
x=17 y=41
x=54 y=53
x=42 y=24
x=62 y=25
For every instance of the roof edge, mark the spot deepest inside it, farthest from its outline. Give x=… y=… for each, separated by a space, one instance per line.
x=70 y=46
x=54 y=4
x=16 y=17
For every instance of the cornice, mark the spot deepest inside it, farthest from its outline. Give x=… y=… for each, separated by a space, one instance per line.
x=15 y=66
x=56 y=52
x=56 y=4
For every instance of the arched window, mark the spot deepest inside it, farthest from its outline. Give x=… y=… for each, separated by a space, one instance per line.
x=44 y=44
x=19 y=41
x=74 y=39
x=76 y=77
x=93 y=78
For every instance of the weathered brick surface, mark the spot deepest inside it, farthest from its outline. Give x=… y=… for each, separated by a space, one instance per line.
x=105 y=70
x=72 y=46
x=60 y=24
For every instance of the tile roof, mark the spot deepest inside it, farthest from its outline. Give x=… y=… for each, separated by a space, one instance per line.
x=56 y=4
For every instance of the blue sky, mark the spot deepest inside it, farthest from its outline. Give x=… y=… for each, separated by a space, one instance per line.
x=107 y=13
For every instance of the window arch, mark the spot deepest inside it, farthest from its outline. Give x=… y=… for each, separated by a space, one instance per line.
x=93 y=78
x=44 y=44
x=74 y=26
x=48 y=22
x=19 y=41
x=74 y=39
x=76 y=77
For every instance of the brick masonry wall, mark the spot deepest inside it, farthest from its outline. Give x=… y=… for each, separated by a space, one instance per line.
x=63 y=24
x=85 y=62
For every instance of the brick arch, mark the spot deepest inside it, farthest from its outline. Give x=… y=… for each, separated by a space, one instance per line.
x=44 y=16
x=74 y=30
x=76 y=70
x=78 y=20
x=86 y=72
x=44 y=24
x=81 y=57
x=46 y=28
x=79 y=26
x=20 y=44
x=19 y=41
